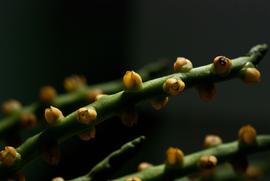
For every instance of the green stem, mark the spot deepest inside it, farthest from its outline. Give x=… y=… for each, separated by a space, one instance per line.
x=103 y=169
x=108 y=106
x=147 y=72
x=190 y=165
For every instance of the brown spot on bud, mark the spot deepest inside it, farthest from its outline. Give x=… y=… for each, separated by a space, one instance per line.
x=173 y=86
x=251 y=76
x=74 y=82
x=208 y=161
x=86 y=115
x=207 y=92
x=222 y=65
x=144 y=165
x=129 y=117
x=159 y=102
x=53 y=115
x=28 y=120
x=47 y=94
x=91 y=95
x=247 y=135
x=174 y=156
x=11 y=106
x=182 y=65
x=88 y=135
x=134 y=179
x=212 y=141
x=132 y=80
x=8 y=155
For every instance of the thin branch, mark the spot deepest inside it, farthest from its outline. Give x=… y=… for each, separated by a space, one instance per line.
x=109 y=106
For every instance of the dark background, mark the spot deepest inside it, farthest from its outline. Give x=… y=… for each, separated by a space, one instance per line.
x=41 y=42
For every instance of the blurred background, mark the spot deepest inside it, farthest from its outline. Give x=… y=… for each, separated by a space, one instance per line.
x=42 y=42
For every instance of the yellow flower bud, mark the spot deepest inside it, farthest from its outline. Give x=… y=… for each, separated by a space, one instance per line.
x=129 y=118
x=173 y=86
x=208 y=161
x=58 y=179
x=8 y=155
x=174 y=156
x=222 y=65
x=92 y=95
x=132 y=80
x=47 y=94
x=74 y=82
x=144 y=165
x=207 y=92
x=53 y=115
x=251 y=75
x=10 y=106
x=28 y=120
x=134 y=179
x=160 y=102
x=212 y=141
x=86 y=115
x=88 y=135
x=247 y=135
x=182 y=65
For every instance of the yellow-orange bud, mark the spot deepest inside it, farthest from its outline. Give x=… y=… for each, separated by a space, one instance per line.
x=74 y=82
x=208 y=161
x=88 y=135
x=173 y=86
x=8 y=155
x=86 y=115
x=247 y=135
x=10 y=106
x=144 y=165
x=28 y=120
x=174 y=156
x=134 y=179
x=222 y=65
x=91 y=95
x=159 y=102
x=47 y=94
x=212 y=141
x=129 y=118
x=251 y=75
x=132 y=80
x=182 y=65
x=207 y=92
x=53 y=115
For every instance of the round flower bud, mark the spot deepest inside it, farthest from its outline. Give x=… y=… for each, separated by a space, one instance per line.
x=222 y=65
x=28 y=120
x=208 y=161
x=247 y=135
x=129 y=118
x=207 y=92
x=10 y=106
x=159 y=102
x=86 y=115
x=134 y=179
x=173 y=86
x=74 y=82
x=212 y=141
x=174 y=156
x=251 y=75
x=144 y=165
x=88 y=135
x=182 y=65
x=58 y=179
x=132 y=80
x=47 y=94
x=53 y=115
x=8 y=155
x=91 y=95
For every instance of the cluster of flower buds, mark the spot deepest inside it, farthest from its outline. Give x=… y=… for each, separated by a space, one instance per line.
x=86 y=115
x=9 y=155
x=132 y=81
x=53 y=115
x=173 y=86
